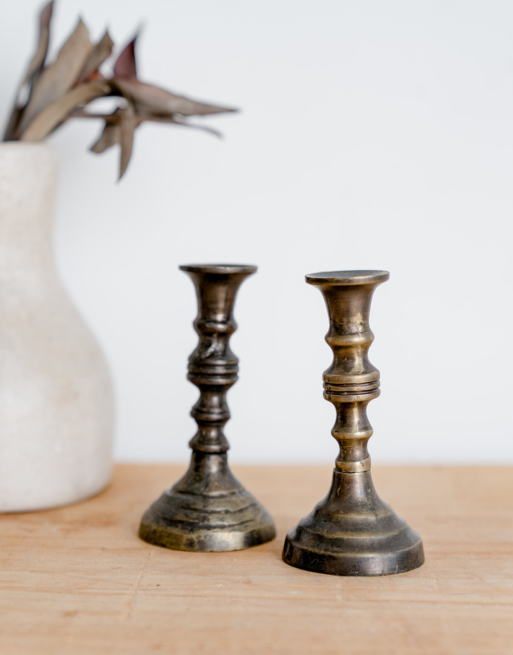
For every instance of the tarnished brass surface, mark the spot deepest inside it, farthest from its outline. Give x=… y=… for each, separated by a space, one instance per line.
x=209 y=509
x=352 y=531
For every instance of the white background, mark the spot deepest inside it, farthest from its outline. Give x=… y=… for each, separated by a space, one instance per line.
x=373 y=135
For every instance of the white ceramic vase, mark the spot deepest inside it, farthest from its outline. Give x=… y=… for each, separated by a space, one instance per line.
x=56 y=400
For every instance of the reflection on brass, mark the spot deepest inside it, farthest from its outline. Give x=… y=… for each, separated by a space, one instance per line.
x=209 y=509
x=352 y=531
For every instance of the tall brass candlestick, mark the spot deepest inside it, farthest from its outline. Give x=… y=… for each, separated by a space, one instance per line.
x=209 y=509
x=352 y=531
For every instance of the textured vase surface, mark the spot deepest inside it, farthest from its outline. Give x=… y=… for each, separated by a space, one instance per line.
x=56 y=399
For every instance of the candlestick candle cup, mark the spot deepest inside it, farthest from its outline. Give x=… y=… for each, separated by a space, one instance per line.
x=209 y=509
x=352 y=531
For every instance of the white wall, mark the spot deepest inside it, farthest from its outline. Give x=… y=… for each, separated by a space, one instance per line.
x=373 y=135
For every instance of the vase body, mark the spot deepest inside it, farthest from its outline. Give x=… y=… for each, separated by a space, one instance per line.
x=56 y=399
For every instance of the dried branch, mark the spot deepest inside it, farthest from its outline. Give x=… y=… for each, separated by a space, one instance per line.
x=63 y=89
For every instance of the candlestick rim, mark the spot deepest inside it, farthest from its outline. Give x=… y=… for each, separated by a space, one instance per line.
x=220 y=269
x=347 y=278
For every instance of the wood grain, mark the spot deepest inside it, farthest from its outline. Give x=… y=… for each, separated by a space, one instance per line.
x=79 y=581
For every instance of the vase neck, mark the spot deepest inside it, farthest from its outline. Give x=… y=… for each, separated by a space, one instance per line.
x=28 y=182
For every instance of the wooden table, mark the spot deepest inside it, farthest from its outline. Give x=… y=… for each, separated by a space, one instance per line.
x=79 y=581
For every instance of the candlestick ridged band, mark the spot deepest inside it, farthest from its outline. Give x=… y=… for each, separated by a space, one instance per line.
x=352 y=531
x=209 y=509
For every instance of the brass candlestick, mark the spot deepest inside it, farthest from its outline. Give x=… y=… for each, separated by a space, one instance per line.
x=352 y=531
x=209 y=509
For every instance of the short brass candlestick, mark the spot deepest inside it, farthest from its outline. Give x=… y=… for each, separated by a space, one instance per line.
x=352 y=531
x=209 y=509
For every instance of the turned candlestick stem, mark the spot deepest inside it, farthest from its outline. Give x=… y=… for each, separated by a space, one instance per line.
x=209 y=509
x=352 y=531
x=213 y=368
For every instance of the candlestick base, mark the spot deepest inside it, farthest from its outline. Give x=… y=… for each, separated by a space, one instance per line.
x=208 y=510
x=353 y=532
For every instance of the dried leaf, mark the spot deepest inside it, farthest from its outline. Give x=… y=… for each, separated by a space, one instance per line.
x=115 y=117
x=176 y=121
x=96 y=57
x=127 y=126
x=53 y=115
x=125 y=66
x=12 y=125
x=160 y=101
x=111 y=136
x=119 y=128
x=202 y=128
x=60 y=76
x=38 y=59
x=34 y=69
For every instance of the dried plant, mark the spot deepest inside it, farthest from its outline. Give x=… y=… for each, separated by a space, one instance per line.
x=52 y=93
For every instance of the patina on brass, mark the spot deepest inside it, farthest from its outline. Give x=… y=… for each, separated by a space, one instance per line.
x=352 y=531
x=209 y=509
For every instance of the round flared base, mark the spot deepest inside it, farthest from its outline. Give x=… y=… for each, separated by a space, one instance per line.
x=208 y=510
x=353 y=532
x=353 y=563
x=183 y=521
